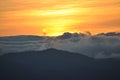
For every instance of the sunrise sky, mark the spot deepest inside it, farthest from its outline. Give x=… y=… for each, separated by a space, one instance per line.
x=54 y=17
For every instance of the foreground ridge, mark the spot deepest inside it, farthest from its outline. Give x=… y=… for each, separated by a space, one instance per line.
x=52 y=64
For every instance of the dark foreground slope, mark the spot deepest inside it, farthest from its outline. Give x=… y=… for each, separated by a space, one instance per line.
x=56 y=65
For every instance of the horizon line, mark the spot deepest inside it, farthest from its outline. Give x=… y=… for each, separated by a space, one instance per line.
x=86 y=33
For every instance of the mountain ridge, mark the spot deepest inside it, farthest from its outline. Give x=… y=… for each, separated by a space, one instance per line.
x=52 y=64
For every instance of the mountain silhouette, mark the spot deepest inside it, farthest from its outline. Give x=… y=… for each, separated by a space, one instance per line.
x=22 y=38
x=52 y=64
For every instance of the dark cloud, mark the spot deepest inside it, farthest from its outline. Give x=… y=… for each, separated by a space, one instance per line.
x=68 y=35
x=110 y=34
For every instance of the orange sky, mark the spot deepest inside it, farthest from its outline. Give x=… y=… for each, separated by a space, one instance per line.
x=54 y=17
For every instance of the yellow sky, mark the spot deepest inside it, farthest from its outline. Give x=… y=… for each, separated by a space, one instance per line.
x=54 y=17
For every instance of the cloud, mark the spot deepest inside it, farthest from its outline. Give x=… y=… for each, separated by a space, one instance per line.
x=91 y=45
x=98 y=46
x=109 y=34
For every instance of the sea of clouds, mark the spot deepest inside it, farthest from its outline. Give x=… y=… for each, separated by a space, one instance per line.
x=104 y=45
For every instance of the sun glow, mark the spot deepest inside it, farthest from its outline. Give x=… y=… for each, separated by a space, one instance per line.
x=58 y=12
x=57 y=27
x=54 y=17
x=57 y=22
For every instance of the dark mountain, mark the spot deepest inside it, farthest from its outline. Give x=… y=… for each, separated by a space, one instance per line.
x=21 y=38
x=54 y=64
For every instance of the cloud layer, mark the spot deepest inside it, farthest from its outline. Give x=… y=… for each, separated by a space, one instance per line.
x=98 y=46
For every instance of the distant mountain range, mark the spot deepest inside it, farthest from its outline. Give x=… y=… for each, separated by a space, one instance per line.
x=66 y=35
x=52 y=64
x=21 y=38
